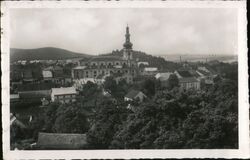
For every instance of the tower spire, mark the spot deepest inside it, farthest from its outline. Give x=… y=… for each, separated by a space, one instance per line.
x=127 y=46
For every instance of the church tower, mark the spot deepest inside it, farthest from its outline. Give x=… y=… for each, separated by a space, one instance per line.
x=127 y=46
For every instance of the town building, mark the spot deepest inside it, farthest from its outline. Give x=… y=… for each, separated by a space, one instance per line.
x=108 y=65
x=63 y=94
x=187 y=80
x=150 y=71
x=163 y=78
x=135 y=95
x=34 y=92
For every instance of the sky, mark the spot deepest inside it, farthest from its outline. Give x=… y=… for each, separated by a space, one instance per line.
x=156 y=31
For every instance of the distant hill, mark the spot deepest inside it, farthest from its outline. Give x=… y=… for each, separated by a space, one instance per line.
x=43 y=54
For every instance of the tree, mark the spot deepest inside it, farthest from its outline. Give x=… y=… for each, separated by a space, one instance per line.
x=107 y=121
x=148 y=87
x=173 y=81
x=70 y=119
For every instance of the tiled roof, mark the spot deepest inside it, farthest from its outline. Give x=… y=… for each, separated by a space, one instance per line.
x=163 y=76
x=204 y=72
x=63 y=90
x=61 y=141
x=34 y=87
x=184 y=73
x=150 y=69
x=187 y=80
x=34 y=95
x=80 y=67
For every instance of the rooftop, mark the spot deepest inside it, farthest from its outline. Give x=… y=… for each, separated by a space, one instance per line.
x=34 y=87
x=184 y=73
x=150 y=69
x=132 y=94
x=63 y=90
x=187 y=80
x=61 y=141
x=163 y=76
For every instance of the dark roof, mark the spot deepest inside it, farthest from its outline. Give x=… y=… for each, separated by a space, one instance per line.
x=194 y=73
x=34 y=87
x=61 y=141
x=33 y=95
x=204 y=72
x=184 y=73
x=187 y=80
x=132 y=94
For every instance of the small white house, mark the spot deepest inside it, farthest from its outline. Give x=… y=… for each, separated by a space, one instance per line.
x=63 y=94
x=150 y=71
x=134 y=95
x=47 y=74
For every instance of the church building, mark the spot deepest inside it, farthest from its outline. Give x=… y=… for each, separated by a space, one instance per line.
x=123 y=66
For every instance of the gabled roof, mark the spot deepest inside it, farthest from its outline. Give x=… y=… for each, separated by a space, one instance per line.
x=32 y=95
x=184 y=73
x=204 y=72
x=163 y=76
x=80 y=67
x=187 y=80
x=61 y=141
x=34 y=87
x=132 y=94
x=63 y=90
x=194 y=73
x=150 y=69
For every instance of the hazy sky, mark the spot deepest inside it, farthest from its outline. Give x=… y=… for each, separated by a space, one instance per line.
x=154 y=31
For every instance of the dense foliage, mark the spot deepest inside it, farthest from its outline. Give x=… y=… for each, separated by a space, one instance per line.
x=168 y=119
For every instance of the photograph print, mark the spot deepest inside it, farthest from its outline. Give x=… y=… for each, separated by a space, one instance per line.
x=123 y=78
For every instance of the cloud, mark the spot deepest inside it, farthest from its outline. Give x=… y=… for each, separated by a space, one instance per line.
x=155 y=31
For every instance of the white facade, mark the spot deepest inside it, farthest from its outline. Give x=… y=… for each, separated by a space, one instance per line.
x=63 y=94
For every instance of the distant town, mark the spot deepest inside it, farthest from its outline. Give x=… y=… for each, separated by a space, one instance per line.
x=125 y=99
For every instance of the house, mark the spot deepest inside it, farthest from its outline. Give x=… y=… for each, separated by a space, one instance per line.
x=47 y=75
x=34 y=92
x=135 y=95
x=61 y=141
x=15 y=121
x=150 y=71
x=187 y=80
x=56 y=75
x=126 y=76
x=163 y=78
x=206 y=75
x=63 y=94
x=14 y=98
x=142 y=64
x=188 y=83
x=27 y=75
